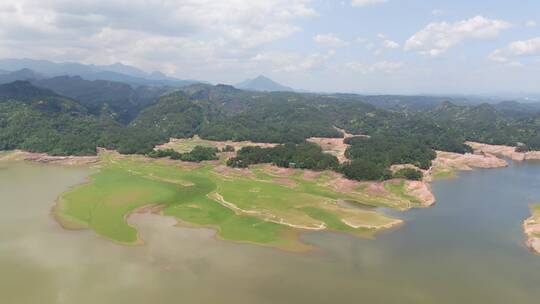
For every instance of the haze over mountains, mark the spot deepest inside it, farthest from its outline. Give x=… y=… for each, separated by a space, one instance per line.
x=115 y=72
x=126 y=90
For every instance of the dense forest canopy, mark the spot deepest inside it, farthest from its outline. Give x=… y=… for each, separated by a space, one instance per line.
x=302 y=156
x=42 y=120
x=390 y=150
x=198 y=154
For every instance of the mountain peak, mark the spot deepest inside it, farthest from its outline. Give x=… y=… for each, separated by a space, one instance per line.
x=263 y=83
x=22 y=74
x=262 y=77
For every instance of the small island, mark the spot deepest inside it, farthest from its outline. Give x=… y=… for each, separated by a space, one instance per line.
x=532 y=229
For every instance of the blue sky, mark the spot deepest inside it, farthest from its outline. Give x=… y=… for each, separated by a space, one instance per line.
x=366 y=46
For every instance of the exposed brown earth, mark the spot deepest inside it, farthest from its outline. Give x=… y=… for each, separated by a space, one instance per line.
x=334 y=146
x=532 y=231
x=47 y=159
x=310 y=174
x=421 y=191
x=344 y=185
x=448 y=162
x=175 y=143
x=376 y=188
x=393 y=224
x=505 y=151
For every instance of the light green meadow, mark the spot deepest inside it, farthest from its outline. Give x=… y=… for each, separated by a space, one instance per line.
x=256 y=206
x=449 y=174
x=399 y=190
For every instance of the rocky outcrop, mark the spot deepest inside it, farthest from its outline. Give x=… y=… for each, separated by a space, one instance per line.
x=421 y=191
x=468 y=161
x=505 y=151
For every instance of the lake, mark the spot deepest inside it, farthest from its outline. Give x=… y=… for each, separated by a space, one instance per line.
x=468 y=248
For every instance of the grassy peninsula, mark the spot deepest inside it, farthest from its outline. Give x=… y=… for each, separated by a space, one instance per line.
x=265 y=205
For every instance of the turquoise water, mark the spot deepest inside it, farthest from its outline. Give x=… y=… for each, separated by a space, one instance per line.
x=468 y=248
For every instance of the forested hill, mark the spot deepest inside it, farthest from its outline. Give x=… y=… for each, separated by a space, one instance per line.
x=23 y=91
x=123 y=100
x=42 y=120
x=484 y=123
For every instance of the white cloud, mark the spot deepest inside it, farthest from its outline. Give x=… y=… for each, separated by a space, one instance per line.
x=525 y=47
x=329 y=40
x=515 y=50
x=361 y=3
x=497 y=56
x=390 y=44
x=438 y=37
x=387 y=43
x=361 y=40
x=293 y=61
x=190 y=35
x=382 y=66
x=530 y=23
x=311 y=62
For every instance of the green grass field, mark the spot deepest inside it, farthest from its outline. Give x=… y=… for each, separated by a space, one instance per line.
x=254 y=206
x=399 y=191
x=445 y=174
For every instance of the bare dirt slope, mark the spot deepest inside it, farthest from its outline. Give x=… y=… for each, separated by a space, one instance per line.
x=505 y=151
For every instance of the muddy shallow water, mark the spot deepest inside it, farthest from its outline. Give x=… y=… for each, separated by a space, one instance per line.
x=468 y=248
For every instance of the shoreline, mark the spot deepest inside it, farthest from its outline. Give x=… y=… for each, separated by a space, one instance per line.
x=44 y=158
x=531 y=227
x=446 y=163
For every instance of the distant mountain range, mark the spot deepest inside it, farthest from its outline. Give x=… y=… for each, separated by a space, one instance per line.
x=126 y=89
x=23 y=74
x=115 y=72
x=263 y=84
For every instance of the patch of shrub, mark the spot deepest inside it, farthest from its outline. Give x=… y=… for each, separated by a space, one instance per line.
x=410 y=174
